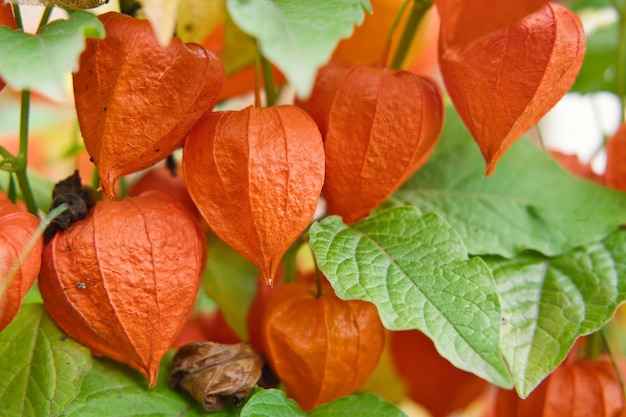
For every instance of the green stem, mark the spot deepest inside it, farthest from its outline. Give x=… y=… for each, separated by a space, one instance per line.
x=12 y=191
x=268 y=82
x=257 y=78
x=44 y=17
x=7 y=163
x=318 y=282
x=392 y=30
x=620 y=67
x=594 y=347
x=609 y=351
x=22 y=155
x=18 y=16
x=420 y=7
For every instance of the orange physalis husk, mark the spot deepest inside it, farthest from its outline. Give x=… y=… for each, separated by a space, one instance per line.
x=17 y=228
x=135 y=100
x=502 y=84
x=256 y=175
x=578 y=388
x=463 y=22
x=124 y=280
x=379 y=127
x=432 y=381
x=615 y=173
x=321 y=348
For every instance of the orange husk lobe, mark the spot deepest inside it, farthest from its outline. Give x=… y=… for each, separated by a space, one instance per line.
x=463 y=22
x=16 y=230
x=615 y=172
x=576 y=388
x=502 y=84
x=256 y=175
x=135 y=100
x=379 y=126
x=432 y=381
x=321 y=348
x=124 y=280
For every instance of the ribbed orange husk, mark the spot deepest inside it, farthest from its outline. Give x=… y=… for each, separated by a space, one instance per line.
x=320 y=348
x=615 y=173
x=379 y=127
x=124 y=280
x=463 y=22
x=432 y=381
x=256 y=175
x=135 y=100
x=504 y=83
x=17 y=227
x=581 y=388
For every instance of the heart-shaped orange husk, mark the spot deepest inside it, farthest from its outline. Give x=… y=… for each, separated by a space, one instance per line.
x=575 y=389
x=135 y=100
x=502 y=84
x=16 y=230
x=379 y=126
x=463 y=22
x=124 y=280
x=321 y=348
x=256 y=175
x=615 y=174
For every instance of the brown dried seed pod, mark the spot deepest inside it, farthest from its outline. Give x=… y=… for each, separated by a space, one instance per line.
x=211 y=372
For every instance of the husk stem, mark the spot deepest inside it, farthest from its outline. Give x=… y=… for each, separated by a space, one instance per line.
x=618 y=372
x=416 y=15
x=21 y=159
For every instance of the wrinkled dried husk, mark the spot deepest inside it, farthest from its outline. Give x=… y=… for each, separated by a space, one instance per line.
x=212 y=372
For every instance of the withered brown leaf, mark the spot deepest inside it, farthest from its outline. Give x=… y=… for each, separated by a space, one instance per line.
x=212 y=372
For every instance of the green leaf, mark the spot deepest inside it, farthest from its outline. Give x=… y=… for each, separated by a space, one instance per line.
x=43 y=62
x=598 y=70
x=230 y=281
x=298 y=36
x=530 y=203
x=415 y=269
x=274 y=403
x=113 y=389
x=362 y=405
x=41 y=369
x=271 y=403
x=548 y=303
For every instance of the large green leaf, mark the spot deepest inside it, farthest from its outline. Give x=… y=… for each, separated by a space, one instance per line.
x=274 y=403
x=41 y=369
x=548 y=303
x=415 y=269
x=44 y=61
x=230 y=281
x=298 y=36
x=113 y=389
x=530 y=202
